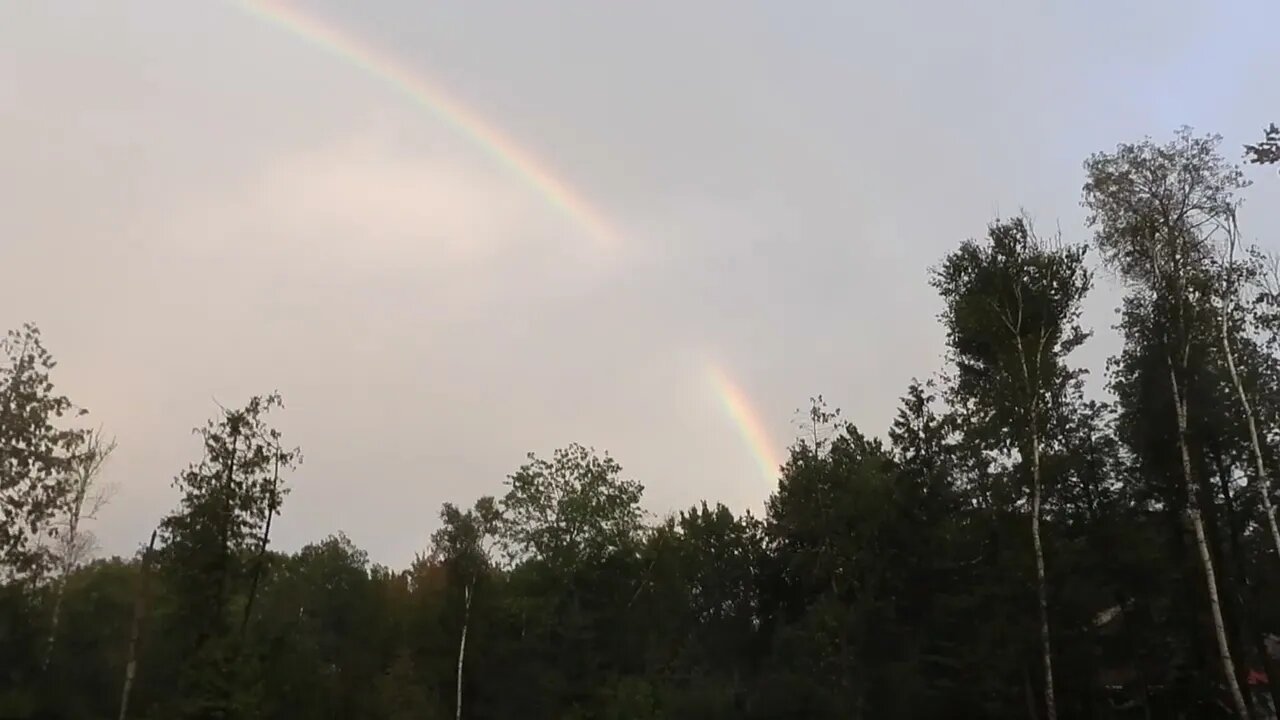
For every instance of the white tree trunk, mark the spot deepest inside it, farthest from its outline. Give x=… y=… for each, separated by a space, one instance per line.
x=68 y=561
x=71 y=547
x=462 y=647
x=139 y=608
x=53 y=622
x=1263 y=483
x=1037 y=492
x=1051 y=708
x=1206 y=558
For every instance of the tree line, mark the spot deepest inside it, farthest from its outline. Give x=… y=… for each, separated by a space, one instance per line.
x=1012 y=547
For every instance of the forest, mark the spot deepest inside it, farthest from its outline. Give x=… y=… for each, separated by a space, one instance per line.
x=1019 y=543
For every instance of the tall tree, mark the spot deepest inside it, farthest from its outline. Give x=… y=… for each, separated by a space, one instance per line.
x=825 y=588
x=1155 y=211
x=36 y=454
x=87 y=495
x=463 y=543
x=228 y=498
x=856 y=587
x=1012 y=309
x=1233 y=276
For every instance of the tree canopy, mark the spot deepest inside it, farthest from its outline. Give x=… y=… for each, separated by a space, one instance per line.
x=1266 y=152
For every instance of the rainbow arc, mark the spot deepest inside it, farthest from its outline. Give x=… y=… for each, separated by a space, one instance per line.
x=738 y=405
x=415 y=86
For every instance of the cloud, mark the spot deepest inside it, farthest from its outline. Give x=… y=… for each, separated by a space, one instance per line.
x=363 y=200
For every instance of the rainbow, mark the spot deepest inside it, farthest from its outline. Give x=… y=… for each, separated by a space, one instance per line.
x=435 y=100
x=738 y=406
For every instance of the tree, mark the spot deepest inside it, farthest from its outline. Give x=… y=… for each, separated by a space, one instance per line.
x=135 y=631
x=463 y=542
x=1155 y=211
x=86 y=497
x=824 y=591
x=228 y=499
x=1232 y=276
x=325 y=635
x=1012 y=317
x=697 y=609
x=571 y=509
x=36 y=455
x=1266 y=152
x=855 y=588
x=821 y=425
x=572 y=527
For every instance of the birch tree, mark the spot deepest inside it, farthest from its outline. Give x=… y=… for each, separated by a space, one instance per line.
x=463 y=542
x=1233 y=274
x=87 y=495
x=135 y=628
x=1156 y=211
x=1012 y=317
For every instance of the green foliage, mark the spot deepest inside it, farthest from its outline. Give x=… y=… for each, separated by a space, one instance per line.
x=1012 y=311
x=36 y=454
x=227 y=501
x=571 y=509
x=464 y=538
x=1266 y=152
x=1154 y=208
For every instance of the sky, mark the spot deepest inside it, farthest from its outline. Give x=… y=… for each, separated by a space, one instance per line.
x=199 y=204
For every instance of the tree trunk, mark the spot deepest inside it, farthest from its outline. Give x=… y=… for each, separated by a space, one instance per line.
x=1262 y=483
x=262 y=550
x=57 y=611
x=1206 y=557
x=139 y=608
x=462 y=647
x=53 y=622
x=224 y=529
x=1232 y=582
x=68 y=563
x=1051 y=709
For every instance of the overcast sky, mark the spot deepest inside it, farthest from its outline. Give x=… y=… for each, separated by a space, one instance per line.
x=196 y=205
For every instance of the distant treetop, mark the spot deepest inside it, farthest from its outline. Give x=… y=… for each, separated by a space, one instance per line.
x=1266 y=152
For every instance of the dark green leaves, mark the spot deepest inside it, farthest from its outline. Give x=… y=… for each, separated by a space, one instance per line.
x=1154 y=208
x=37 y=452
x=1011 y=313
x=1266 y=152
x=573 y=508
